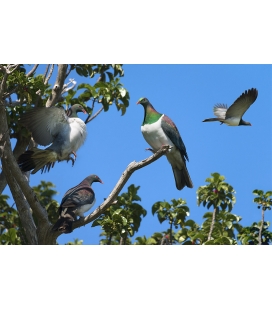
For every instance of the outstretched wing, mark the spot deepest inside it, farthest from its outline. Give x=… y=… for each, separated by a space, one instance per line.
x=240 y=105
x=172 y=132
x=45 y=123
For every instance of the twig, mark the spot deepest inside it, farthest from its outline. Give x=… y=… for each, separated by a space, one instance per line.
x=261 y=228
x=119 y=186
x=94 y=116
x=69 y=70
x=49 y=75
x=32 y=71
x=45 y=73
x=12 y=66
x=66 y=89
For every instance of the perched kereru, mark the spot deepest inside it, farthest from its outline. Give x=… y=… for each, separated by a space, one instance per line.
x=76 y=202
x=159 y=130
x=232 y=116
x=64 y=129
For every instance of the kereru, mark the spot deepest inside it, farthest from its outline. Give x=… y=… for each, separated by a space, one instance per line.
x=159 y=130
x=232 y=116
x=76 y=202
x=64 y=129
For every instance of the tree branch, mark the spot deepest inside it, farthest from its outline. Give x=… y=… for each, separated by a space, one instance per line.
x=69 y=70
x=212 y=224
x=49 y=75
x=21 y=144
x=23 y=208
x=261 y=227
x=88 y=120
x=18 y=183
x=32 y=71
x=45 y=73
x=119 y=186
x=57 y=89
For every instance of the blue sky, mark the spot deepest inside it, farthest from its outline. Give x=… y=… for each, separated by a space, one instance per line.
x=187 y=94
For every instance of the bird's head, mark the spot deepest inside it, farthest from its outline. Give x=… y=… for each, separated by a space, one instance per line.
x=94 y=178
x=78 y=108
x=143 y=101
x=242 y=122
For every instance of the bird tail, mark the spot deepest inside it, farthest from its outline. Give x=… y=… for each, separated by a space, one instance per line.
x=182 y=178
x=64 y=225
x=213 y=119
x=37 y=159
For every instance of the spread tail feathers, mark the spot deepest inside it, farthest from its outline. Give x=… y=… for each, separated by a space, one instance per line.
x=182 y=178
x=37 y=159
x=63 y=225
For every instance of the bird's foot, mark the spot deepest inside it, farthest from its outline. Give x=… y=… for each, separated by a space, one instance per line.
x=74 y=154
x=72 y=159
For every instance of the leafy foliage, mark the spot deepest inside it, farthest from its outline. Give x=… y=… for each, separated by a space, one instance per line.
x=218 y=193
x=122 y=218
x=249 y=235
x=75 y=242
x=106 y=91
x=45 y=192
x=34 y=91
x=10 y=226
x=264 y=200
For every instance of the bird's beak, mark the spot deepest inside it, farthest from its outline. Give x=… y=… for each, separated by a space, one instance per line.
x=84 y=111
x=101 y=182
x=137 y=102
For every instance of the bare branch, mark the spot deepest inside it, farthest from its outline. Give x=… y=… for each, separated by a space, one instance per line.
x=57 y=89
x=66 y=89
x=261 y=228
x=32 y=71
x=14 y=67
x=119 y=186
x=94 y=116
x=49 y=75
x=69 y=70
x=45 y=73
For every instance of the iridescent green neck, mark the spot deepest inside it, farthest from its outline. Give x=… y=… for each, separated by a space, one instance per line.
x=151 y=115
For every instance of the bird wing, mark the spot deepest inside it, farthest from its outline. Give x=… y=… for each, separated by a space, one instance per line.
x=172 y=132
x=240 y=105
x=219 y=110
x=77 y=196
x=45 y=123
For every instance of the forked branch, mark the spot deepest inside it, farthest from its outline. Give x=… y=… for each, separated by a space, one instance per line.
x=119 y=186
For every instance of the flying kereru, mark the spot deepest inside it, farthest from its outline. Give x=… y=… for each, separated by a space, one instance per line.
x=232 y=116
x=64 y=129
x=76 y=202
x=159 y=130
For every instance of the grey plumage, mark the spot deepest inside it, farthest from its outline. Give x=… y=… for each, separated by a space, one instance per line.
x=76 y=202
x=66 y=131
x=232 y=116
